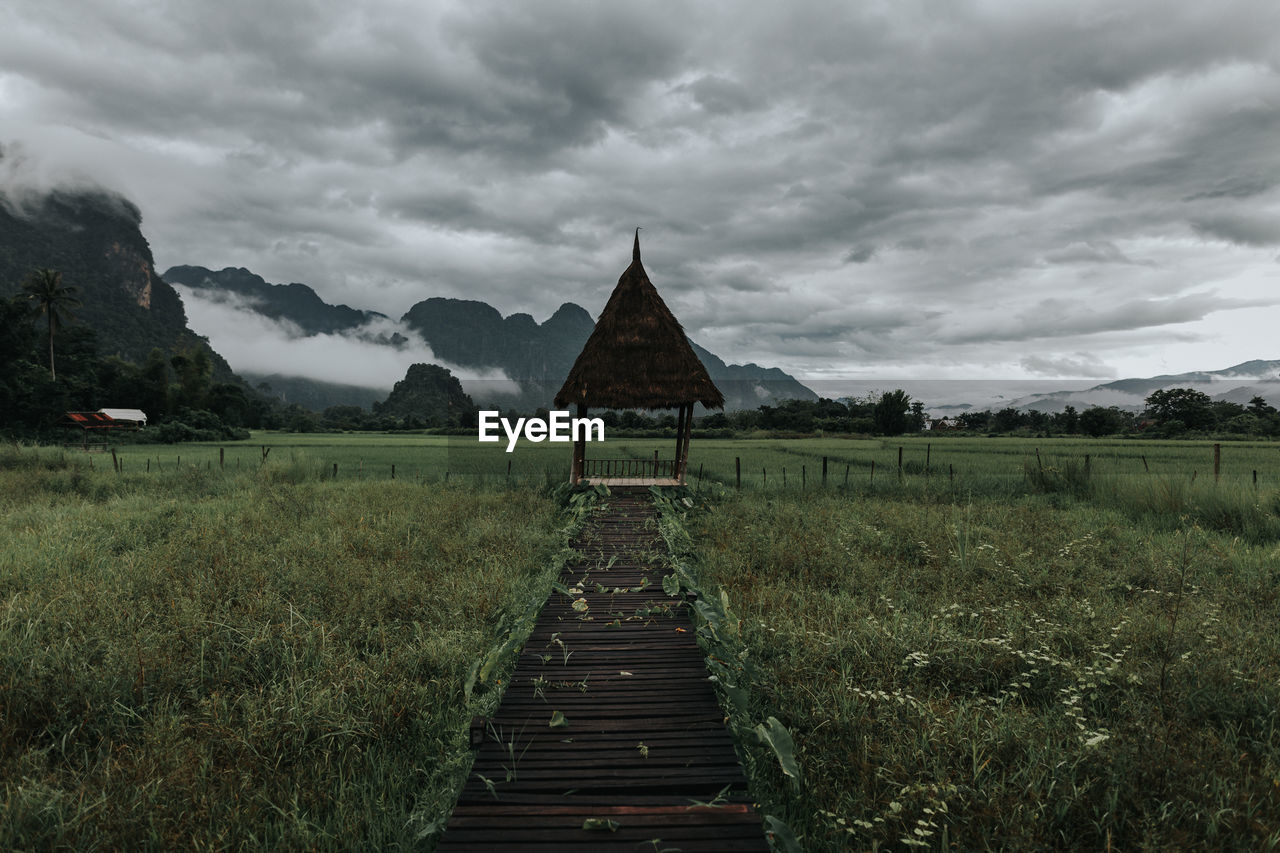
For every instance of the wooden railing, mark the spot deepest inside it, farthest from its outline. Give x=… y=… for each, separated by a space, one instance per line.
x=656 y=468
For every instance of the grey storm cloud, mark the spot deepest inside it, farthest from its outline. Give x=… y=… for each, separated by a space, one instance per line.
x=823 y=187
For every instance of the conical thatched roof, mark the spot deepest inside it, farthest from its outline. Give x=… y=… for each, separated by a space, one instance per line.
x=638 y=357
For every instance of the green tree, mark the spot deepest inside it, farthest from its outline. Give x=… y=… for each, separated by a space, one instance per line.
x=1097 y=421
x=1193 y=408
x=891 y=412
x=54 y=299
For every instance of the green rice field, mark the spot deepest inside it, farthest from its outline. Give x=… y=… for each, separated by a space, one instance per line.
x=1002 y=643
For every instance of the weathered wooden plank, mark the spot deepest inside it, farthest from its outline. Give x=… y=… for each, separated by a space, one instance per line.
x=641 y=749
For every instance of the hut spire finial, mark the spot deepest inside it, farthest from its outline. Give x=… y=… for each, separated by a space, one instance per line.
x=635 y=253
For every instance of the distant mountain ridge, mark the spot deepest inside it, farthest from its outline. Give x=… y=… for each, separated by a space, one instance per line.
x=1237 y=384
x=474 y=334
x=295 y=302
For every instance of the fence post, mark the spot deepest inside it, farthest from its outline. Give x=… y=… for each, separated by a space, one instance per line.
x=1144 y=464
x=846 y=474
x=737 y=470
x=655 y=464
x=804 y=478
x=899 y=462
x=824 y=472
x=1217 y=461
x=873 y=472
x=335 y=470
x=928 y=453
x=115 y=463
x=393 y=470
x=222 y=458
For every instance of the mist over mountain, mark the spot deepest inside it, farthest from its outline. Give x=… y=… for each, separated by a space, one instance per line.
x=1237 y=384
x=294 y=302
x=94 y=238
x=470 y=335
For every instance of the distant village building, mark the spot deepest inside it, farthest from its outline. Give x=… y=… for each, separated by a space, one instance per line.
x=105 y=420
x=637 y=358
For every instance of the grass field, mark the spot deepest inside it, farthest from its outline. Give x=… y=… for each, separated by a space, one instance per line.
x=1003 y=673
x=1158 y=482
x=988 y=647
x=194 y=659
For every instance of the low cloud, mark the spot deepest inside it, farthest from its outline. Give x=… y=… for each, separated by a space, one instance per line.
x=257 y=344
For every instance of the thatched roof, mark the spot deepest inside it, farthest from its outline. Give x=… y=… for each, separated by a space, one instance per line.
x=638 y=357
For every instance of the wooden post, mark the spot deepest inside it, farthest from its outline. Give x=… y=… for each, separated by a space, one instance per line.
x=737 y=471
x=1144 y=464
x=688 y=439
x=655 y=464
x=873 y=471
x=824 y=472
x=222 y=458
x=804 y=478
x=679 y=443
x=764 y=472
x=508 y=469
x=1217 y=461
x=115 y=463
x=1255 y=479
x=846 y=474
x=335 y=470
x=784 y=476
x=579 y=450
x=393 y=470
x=899 y=462
x=928 y=453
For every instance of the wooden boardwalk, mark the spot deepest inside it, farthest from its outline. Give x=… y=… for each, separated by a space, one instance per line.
x=609 y=735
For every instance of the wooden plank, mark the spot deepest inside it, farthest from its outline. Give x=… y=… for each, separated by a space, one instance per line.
x=547 y=780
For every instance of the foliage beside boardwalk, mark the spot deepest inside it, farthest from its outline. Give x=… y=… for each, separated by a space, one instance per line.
x=1034 y=672
x=195 y=659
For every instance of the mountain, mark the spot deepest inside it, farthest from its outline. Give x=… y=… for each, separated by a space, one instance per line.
x=465 y=333
x=428 y=393
x=296 y=303
x=475 y=334
x=94 y=238
x=1238 y=384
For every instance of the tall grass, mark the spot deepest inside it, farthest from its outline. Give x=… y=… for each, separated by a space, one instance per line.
x=1026 y=674
x=198 y=660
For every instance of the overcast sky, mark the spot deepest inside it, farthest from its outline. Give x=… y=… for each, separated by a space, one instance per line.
x=951 y=189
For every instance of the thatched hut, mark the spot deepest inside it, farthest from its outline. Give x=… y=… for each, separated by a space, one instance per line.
x=637 y=358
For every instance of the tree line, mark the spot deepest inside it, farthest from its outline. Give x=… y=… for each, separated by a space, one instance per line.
x=50 y=365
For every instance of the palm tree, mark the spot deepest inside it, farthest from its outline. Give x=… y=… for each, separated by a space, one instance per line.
x=45 y=287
